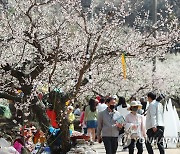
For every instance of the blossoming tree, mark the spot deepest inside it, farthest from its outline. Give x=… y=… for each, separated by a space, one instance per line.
x=62 y=43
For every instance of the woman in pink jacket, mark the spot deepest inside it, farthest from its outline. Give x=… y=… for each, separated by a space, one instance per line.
x=135 y=128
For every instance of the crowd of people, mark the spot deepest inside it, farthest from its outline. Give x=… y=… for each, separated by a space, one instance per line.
x=142 y=122
x=108 y=119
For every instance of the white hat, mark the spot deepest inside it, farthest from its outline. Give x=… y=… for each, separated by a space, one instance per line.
x=135 y=103
x=70 y=107
x=115 y=97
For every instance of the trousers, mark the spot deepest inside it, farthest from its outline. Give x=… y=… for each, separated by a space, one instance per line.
x=158 y=136
x=139 y=145
x=110 y=144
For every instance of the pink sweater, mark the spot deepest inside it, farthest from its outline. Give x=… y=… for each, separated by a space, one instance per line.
x=137 y=120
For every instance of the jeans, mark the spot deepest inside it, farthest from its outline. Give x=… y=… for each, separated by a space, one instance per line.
x=111 y=144
x=158 y=136
x=139 y=145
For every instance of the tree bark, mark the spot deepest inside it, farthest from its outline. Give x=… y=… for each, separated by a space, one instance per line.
x=62 y=119
x=10 y=97
x=40 y=115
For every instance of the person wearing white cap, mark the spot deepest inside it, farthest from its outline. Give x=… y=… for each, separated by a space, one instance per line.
x=135 y=128
x=71 y=117
x=115 y=98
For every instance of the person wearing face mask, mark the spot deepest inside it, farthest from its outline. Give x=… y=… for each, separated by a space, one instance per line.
x=135 y=127
x=108 y=128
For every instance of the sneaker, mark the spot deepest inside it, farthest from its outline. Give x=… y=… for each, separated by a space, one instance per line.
x=91 y=143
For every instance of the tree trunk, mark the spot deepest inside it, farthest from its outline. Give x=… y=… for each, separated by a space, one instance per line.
x=41 y=116
x=65 y=136
x=63 y=122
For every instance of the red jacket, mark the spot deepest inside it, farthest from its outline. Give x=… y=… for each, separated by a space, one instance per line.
x=52 y=116
x=82 y=118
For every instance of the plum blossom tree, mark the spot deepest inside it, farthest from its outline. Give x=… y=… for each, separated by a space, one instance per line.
x=62 y=43
x=139 y=77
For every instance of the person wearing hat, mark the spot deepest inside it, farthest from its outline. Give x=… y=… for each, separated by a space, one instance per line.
x=135 y=128
x=71 y=117
x=115 y=98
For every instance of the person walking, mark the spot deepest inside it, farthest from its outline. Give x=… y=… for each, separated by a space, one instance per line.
x=91 y=119
x=154 y=124
x=122 y=108
x=135 y=128
x=108 y=128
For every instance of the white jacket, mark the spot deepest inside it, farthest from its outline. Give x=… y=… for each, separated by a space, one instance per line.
x=123 y=111
x=154 y=115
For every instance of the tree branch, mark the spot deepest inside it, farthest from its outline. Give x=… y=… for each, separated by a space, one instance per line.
x=54 y=67
x=141 y=88
x=10 y=97
x=15 y=73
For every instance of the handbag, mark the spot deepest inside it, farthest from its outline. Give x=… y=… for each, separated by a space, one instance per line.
x=158 y=133
x=134 y=136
